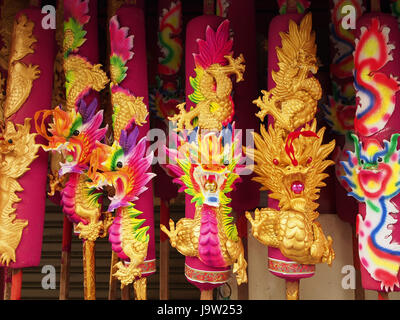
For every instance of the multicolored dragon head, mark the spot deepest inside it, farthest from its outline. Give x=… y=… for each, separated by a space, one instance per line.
x=292 y=168
x=373 y=171
x=124 y=166
x=376 y=91
x=73 y=133
x=207 y=166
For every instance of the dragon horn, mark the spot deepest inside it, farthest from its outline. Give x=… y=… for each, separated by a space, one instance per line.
x=356 y=146
x=392 y=146
x=41 y=128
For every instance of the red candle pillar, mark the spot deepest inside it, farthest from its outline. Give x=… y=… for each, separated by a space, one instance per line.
x=30 y=69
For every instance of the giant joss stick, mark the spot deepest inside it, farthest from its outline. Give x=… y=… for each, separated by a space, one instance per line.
x=74 y=131
x=129 y=97
x=290 y=157
x=372 y=170
x=23 y=168
x=205 y=162
x=340 y=111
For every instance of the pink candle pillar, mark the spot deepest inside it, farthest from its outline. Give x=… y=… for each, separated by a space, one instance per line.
x=278 y=264
x=247 y=195
x=32 y=205
x=136 y=81
x=197 y=273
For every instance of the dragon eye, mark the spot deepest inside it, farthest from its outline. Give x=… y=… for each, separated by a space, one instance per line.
x=275 y=162
x=119 y=164
x=76 y=133
x=362 y=161
x=380 y=159
x=10 y=141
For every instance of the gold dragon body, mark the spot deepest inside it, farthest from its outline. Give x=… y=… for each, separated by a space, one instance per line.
x=213 y=87
x=290 y=156
x=17 y=151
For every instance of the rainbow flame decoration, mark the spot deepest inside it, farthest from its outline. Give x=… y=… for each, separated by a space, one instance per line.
x=372 y=173
x=376 y=91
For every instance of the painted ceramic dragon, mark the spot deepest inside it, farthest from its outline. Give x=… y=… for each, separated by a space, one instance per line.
x=212 y=85
x=125 y=167
x=372 y=173
x=293 y=101
x=207 y=168
x=81 y=76
x=290 y=161
x=17 y=145
x=376 y=91
x=74 y=134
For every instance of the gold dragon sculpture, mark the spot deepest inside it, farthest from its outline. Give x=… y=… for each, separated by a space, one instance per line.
x=17 y=151
x=17 y=145
x=290 y=156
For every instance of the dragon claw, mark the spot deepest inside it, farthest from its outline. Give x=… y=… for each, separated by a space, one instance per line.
x=91 y=231
x=127 y=274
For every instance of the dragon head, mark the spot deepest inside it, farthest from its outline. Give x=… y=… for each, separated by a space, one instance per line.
x=124 y=166
x=373 y=171
x=292 y=167
x=207 y=165
x=72 y=133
